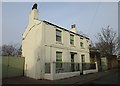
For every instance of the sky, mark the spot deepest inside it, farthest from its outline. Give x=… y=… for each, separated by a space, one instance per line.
x=90 y=17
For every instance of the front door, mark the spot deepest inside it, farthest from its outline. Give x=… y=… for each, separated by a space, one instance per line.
x=72 y=62
x=82 y=64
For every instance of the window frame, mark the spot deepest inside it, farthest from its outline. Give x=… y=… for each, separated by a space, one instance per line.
x=58 y=37
x=71 y=39
x=58 y=60
x=81 y=44
x=81 y=38
x=83 y=58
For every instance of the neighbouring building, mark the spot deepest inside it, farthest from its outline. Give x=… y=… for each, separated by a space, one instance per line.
x=105 y=62
x=52 y=52
x=119 y=61
x=95 y=57
x=109 y=62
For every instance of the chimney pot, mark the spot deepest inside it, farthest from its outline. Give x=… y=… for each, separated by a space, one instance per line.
x=73 y=26
x=34 y=6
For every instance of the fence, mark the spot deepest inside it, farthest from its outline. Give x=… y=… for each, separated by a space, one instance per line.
x=69 y=67
x=12 y=66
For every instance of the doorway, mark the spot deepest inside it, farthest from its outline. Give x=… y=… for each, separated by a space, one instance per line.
x=82 y=64
x=72 y=62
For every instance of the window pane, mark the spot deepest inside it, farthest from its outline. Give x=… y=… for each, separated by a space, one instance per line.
x=81 y=44
x=72 y=39
x=81 y=38
x=83 y=58
x=58 y=38
x=59 y=56
x=58 y=59
x=72 y=42
x=58 y=35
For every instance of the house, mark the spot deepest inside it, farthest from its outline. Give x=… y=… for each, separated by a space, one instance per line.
x=52 y=52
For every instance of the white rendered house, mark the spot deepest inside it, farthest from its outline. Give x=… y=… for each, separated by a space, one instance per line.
x=52 y=52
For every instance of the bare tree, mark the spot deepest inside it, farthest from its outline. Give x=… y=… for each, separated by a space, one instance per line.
x=91 y=45
x=11 y=50
x=107 y=41
x=19 y=51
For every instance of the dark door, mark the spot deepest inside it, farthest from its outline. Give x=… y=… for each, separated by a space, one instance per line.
x=82 y=64
x=72 y=62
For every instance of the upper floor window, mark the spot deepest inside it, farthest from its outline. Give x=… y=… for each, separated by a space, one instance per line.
x=71 y=39
x=81 y=45
x=81 y=38
x=87 y=41
x=58 y=35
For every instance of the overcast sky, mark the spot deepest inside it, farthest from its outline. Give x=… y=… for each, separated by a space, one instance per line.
x=89 y=17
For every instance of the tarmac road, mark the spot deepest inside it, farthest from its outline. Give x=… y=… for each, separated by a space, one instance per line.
x=112 y=77
x=108 y=77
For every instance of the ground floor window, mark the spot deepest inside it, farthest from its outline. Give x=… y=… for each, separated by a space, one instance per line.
x=58 y=59
x=83 y=58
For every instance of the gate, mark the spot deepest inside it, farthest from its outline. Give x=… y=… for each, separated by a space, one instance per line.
x=12 y=66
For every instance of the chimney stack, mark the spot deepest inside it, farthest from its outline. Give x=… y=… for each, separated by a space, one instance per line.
x=34 y=13
x=73 y=28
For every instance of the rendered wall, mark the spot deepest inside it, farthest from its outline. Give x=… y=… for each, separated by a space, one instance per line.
x=32 y=50
x=51 y=46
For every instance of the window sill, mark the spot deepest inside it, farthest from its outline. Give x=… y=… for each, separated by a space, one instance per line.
x=59 y=68
x=82 y=48
x=72 y=45
x=59 y=42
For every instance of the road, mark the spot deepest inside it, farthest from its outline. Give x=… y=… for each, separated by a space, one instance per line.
x=105 y=77
x=112 y=77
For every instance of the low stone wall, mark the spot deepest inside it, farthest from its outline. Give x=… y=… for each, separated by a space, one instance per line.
x=89 y=71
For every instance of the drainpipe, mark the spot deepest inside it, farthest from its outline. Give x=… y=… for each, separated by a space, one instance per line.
x=52 y=65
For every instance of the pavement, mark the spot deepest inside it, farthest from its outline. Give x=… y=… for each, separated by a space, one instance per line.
x=76 y=80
